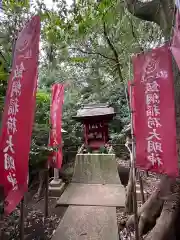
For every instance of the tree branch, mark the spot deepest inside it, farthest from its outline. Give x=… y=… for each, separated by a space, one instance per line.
x=114 y=52
x=134 y=34
x=94 y=53
x=4 y=58
x=148 y=11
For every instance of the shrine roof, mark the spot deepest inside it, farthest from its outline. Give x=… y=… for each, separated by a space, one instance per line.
x=95 y=110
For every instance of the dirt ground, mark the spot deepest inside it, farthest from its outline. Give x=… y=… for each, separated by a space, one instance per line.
x=36 y=226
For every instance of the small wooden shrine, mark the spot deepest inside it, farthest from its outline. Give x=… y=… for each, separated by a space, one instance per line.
x=95 y=119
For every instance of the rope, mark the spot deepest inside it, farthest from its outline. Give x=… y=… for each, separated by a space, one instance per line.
x=173 y=20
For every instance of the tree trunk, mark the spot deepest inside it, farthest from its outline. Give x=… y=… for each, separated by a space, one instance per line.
x=165 y=225
x=160 y=212
x=39 y=193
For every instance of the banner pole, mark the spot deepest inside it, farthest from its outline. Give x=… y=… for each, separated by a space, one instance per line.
x=141 y=187
x=134 y=169
x=46 y=207
x=21 y=224
x=2 y=203
x=46 y=197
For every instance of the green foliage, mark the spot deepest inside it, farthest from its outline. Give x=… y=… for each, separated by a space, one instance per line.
x=42 y=107
x=39 y=146
x=39 y=149
x=103 y=150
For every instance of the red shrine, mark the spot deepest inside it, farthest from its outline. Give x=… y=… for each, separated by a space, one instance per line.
x=95 y=118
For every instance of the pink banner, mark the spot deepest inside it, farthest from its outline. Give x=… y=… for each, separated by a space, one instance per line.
x=18 y=115
x=155 y=126
x=175 y=45
x=55 y=158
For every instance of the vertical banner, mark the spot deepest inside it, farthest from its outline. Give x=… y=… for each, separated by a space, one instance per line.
x=18 y=115
x=175 y=45
x=55 y=158
x=155 y=126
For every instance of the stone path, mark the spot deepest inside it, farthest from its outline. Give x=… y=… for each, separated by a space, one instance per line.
x=88 y=223
x=92 y=197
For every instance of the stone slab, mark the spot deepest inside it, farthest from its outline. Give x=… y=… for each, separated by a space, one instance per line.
x=96 y=168
x=88 y=223
x=112 y=195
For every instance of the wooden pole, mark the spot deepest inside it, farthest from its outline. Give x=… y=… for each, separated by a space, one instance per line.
x=21 y=223
x=46 y=199
x=132 y=155
x=141 y=188
x=2 y=199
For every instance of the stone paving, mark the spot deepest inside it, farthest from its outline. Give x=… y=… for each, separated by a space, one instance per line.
x=92 y=197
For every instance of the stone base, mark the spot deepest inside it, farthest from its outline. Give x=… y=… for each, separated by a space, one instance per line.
x=96 y=169
x=56 y=188
x=56 y=182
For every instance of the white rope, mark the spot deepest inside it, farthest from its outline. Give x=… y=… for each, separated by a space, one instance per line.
x=173 y=20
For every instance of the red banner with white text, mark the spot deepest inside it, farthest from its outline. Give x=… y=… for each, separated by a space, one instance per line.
x=155 y=126
x=55 y=140
x=18 y=115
